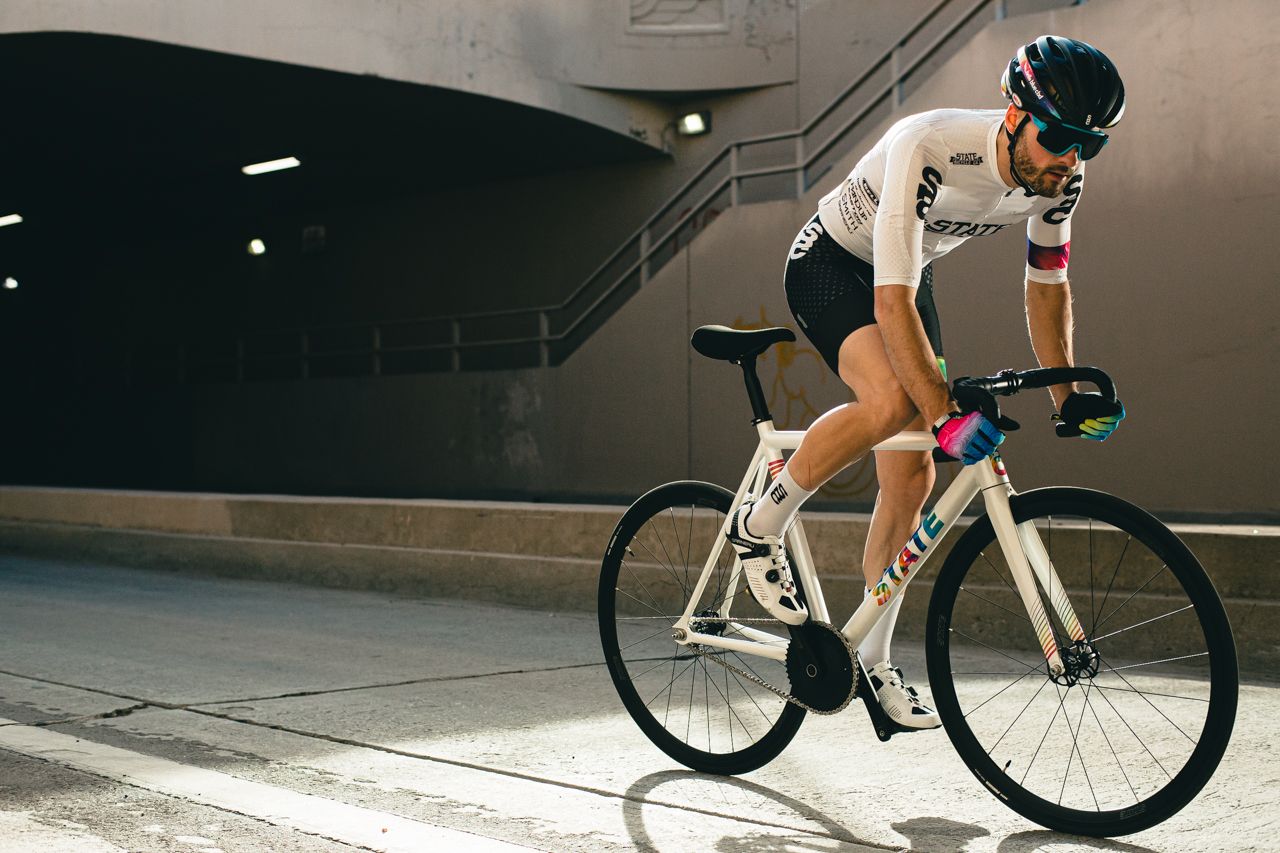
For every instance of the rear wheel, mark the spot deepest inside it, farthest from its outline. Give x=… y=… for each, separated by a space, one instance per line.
x=1140 y=721
x=700 y=713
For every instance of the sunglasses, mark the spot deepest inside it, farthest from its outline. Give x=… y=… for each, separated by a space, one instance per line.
x=1059 y=138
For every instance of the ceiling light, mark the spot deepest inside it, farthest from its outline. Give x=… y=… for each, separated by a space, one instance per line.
x=10 y=283
x=272 y=166
x=694 y=124
x=11 y=219
x=257 y=247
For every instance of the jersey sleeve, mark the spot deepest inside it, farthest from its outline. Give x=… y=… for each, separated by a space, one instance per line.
x=1049 y=236
x=911 y=183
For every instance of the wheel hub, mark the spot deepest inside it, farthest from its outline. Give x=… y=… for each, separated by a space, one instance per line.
x=1079 y=660
x=708 y=622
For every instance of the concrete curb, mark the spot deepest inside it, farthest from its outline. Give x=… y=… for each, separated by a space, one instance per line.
x=524 y=554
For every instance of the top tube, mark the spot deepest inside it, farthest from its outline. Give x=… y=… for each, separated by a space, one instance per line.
x=789 y=439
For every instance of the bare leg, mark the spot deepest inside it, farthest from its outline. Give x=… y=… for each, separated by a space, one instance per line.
x=906 y=478
x=847 y=432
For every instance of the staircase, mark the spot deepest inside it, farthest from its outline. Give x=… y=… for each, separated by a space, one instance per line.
x=763 y=168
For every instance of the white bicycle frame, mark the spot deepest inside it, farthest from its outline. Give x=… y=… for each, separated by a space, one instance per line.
x=1026 y=555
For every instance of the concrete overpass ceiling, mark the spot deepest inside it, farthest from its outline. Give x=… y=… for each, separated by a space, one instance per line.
x=105 y=133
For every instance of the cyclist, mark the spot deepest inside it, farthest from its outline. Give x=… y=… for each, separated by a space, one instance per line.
x=859 y=280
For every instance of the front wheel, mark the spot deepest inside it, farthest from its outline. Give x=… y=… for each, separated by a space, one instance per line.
x=1140 y=721
x=700 y=713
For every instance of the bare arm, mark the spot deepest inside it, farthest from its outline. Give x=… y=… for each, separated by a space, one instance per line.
x=909 y=351
x=1050 y=325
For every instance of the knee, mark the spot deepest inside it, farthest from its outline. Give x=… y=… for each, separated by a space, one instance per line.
x=890 y=412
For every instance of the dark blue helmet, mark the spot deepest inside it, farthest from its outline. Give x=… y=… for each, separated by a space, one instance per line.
x=1064 y=80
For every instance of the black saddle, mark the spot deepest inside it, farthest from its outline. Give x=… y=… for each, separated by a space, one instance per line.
x=735 y=345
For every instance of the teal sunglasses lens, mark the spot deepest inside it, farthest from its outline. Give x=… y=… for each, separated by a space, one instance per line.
x=1058 y=139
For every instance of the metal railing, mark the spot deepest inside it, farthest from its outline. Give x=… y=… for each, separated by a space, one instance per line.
x=761 y=168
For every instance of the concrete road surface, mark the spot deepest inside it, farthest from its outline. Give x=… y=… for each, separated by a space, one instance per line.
x=149 y=711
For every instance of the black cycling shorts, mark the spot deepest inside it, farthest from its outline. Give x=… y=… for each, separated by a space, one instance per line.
x=831 y=293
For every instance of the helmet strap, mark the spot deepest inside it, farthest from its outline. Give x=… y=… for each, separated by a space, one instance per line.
x=1013 y=167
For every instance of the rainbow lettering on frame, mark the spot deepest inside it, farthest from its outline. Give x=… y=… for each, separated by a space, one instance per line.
x=898 y=570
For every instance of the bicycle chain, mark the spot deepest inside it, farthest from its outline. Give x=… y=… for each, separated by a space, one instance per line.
x=781 y=694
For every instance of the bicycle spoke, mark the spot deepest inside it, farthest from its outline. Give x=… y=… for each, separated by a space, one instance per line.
x=688 y=727
x=1143 y=622
x=707 y=699
x=1093 y=613
x=671 y=571
x=999 y=574
x=747 y=692
x=1114 y=754
x=1154 y=708
x=1075 y=751
x=1130 y=598
x=662 y=662
x=1009 y=728
x=1154 y=662
x=1022 y=615
x=1043 y=738
x=1093 y=628
x=663 y=630
x=660 y=615
x=1140 y=741
x=1035 y=668
x=684 y=559
x=998 y=692
x=1150 y=693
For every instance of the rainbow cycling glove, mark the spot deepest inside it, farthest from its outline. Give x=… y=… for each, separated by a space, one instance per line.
x=1090 y=416
x=968 y=437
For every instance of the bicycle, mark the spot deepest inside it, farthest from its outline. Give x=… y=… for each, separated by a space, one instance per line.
x=1078 y=719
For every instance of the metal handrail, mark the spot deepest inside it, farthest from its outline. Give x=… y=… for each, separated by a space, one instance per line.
x=644 y=240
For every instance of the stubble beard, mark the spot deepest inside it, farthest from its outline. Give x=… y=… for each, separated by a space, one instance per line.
x=1037 y=179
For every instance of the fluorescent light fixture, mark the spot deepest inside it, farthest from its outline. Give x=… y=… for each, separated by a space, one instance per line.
x=10 y=283
x=11 y=219
x=257 y=247
x=694 y=124
x=272 y=166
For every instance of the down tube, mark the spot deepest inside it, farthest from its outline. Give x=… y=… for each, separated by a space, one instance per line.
x=913 y=556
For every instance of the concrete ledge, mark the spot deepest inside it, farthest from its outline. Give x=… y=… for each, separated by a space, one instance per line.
x=524 y=554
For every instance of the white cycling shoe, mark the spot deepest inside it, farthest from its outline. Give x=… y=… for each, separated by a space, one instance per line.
x=899 y=701
x=764 y=559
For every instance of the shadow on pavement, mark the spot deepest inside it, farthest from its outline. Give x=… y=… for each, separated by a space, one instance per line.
x=1036 y=839
x=735 y=798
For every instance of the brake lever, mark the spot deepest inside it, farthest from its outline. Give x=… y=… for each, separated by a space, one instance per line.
x=972 y=398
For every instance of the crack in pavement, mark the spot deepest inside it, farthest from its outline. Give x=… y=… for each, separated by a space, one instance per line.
x=193 y=708
x=179 y=706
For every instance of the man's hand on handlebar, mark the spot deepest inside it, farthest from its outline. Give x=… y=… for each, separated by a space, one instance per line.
x=967 y=437
x=1090 y=416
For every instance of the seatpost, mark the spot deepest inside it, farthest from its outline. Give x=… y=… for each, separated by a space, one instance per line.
x=759 y=408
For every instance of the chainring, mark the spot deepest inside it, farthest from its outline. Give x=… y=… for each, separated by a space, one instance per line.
x=822 y=667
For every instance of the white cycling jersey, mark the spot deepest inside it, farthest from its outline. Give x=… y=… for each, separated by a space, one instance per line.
x=930 y=184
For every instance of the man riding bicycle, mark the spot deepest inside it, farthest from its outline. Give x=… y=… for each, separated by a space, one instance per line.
x=859 y=280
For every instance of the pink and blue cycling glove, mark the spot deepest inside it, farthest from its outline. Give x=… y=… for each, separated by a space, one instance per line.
x=969 y=437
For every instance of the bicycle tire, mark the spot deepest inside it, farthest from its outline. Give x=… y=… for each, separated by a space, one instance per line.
x=653 y=560
x=1193 y=691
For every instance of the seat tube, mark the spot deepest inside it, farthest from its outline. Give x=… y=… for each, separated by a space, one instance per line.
x=996 y=492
